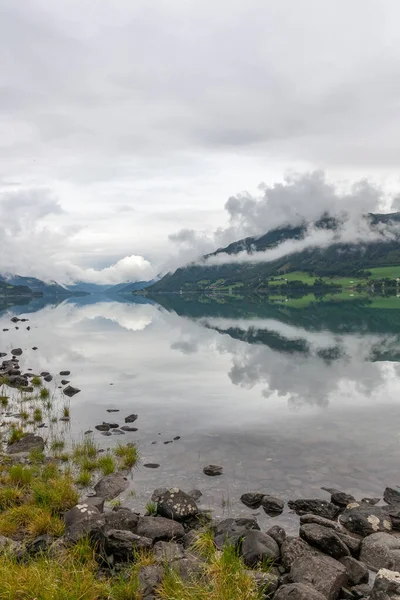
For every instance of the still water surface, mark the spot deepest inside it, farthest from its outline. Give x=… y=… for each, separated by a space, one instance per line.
x=286 y=401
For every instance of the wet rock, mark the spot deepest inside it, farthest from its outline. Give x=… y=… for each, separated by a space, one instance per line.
x=122 y=519
x=272 y=505
x=195 y=494
x=319 y=521
x=160 y=528
x=6 y=329
x=365 y=519
x=342 y=499
x=353 y=543
x=151 y=465
x=106 y=433
x=294 y=548
x=111 y=486
x=15 y=320
x=324 y=573
x=357 y=572
x=167 y=552
x=372 y=501
x=44 y=373
x=252 y=499
x=391 y=496
x=48 y=378
x=168 y=442
x=65 y=373
x=3 y=354
x=70 y=391
x=35 y=348
x=381 y=551
x=122 y=544
x=111 y=425
x=16 y=351
x=83 y=521
x=314 y=506
x=258 y=546
x=127 y=428
x=212 y=470
x=26 y=444
x=325 y=539
x=102 y=427
x=64 y=381
x=28 y=328
x=278 y=534
x=176 y=504
x=386 y=586
x=131 y=418
x=112 y=410
x=298 y=591
x=176 y=438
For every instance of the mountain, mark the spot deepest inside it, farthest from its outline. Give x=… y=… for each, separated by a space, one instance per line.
x=37 y=286
x=338 y=259
x=129 y=287
x=7 y=290
x=89 y=288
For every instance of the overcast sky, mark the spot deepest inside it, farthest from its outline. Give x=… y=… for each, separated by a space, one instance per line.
x=125 y=122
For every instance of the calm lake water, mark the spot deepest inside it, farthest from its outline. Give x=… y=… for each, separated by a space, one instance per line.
x=286 y=400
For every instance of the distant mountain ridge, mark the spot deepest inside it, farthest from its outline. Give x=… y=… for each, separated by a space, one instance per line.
x=336 y=259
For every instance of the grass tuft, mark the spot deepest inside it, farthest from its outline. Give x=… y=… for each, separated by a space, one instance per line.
x=84 y=478
x=16 y=434
x=127 y=454
x=21 y=476
x=36 y=381
x=44 y=393
x=151 y=508
x=106 y=464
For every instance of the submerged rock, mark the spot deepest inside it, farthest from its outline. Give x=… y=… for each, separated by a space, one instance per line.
x=272 y=505
x=131 y=418
x=65 y=373
x=127 y=428
x=212 y=470
x=252 y=499
x=70 y=391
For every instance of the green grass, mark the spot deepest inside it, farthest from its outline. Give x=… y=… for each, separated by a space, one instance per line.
x=15 y=434
x=151 y=508
x=4 y=401
x=106 y=464
x=127 y=455
x=57 y=445
x=66 y=412
x=20 y=475
x=383 y=272
x=36 y=381
x=37 y=415
x=44 y=393
x=84 y=478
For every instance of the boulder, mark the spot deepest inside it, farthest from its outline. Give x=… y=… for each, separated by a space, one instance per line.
x=324 y=573
x=342 y=499
x=167 y=552
x=26 y=444
x=257 y=547
x=351 y=542
x=49 y=378
x=131 y=418
x=195 y=494
x=386 y=586
x=293 y=548
x=160 y=528
x=319 y=521
x=252 y=499
x=232 y=530
x=121 y=544
x=314 y=506
x=357 y=572
x=267 y=583
x=325 y=539
x=65 y=373
x=298 y=591
x=391 y=496
x=394 y=515
x=361 y=591
x=111 y=486
x=365 y=519
x=16 y=351
x=94 y=501
x=176 y=504
x=213 y=470
x=70 y=391
x=127 y=428
x=272 y=505
x=372 y=501
x=122 y=519
x=83 y=521
x=381 y=551
x=278 y=534
x=149 y=579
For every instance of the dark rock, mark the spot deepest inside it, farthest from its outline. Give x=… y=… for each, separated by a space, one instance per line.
x=35 y=348
x=381 y=551
x=325 y=539
x=372 y=501
x=40 y=544
x=298 y=591
x=267 y=583
x=15 y=320
x=167 y=552
x=168 y=442
x=232 y=530
x=319 y=521
x=314 y=506
x=149 y=578
x=258 y=546
x=111 y=486
x=3 y=354
x=64 y=381
x=122 y=519
x=394 y=515
x=272 y=505
x=342 y=499
x=83 y=521
x=65 y=373
x=294 y=548
x=122 y=544
x=176 y=438
x=195 y=494
x=28 y=328
x=16 y=351
x=44 y=373
x=176 y=504
x=151 y=465
x=127 y=428
x=212 y=470
x=94 y=501
x=391 y=496
x=156 y=495
x=48 y=378
x=361 y=591
x=112 y=410
x=26 y=444
x=103 y=427
x=386 y=586
x=131 y=418
x=357 y=572
x=351 y=542
x=365 y=519
x=278 y=534
x=88 y=431
x=70 y=391
x=6 y=329
x=252 y=499
x=160 y=528
x=111 y=425
x=326 y=574
x=106 y=433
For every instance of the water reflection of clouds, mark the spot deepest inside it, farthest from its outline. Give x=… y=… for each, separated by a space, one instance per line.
x=330 y=365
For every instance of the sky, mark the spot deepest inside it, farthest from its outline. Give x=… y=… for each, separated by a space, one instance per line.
x=135 y=136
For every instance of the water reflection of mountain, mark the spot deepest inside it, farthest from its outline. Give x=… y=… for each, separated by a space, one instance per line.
x=352 y=316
